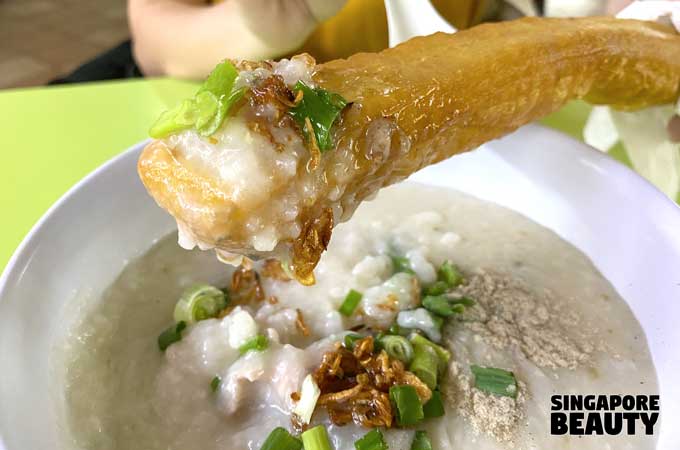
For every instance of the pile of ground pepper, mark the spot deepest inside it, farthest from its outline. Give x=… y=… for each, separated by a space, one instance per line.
x=509 y=315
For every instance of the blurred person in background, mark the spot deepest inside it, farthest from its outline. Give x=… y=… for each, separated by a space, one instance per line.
x=187 y=38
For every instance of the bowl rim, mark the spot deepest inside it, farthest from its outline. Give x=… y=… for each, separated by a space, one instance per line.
x=37 y=227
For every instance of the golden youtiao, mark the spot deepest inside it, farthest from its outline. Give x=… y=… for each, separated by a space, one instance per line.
x=269 y=156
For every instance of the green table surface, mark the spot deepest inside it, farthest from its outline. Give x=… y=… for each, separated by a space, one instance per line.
x=54 y=136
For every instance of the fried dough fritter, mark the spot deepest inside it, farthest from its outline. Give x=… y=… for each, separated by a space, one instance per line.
x=410 y=106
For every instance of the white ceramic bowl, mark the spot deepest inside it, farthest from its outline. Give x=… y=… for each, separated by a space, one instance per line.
x=628 y=228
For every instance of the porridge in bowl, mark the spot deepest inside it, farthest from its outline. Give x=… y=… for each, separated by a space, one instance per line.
x=436 y=319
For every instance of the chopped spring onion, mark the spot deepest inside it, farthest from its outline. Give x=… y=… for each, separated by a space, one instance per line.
x=350 y=339
x=445 y=306
x=281 y=439
x=495 y=381
x=465 y=301
x=377 y=344
x=181 y=117
x=199 y=302
x=397 y=347
x=440 y=305
x=309 y=394
x=171 y=335
x=437 y=288
x=421 y=441
x=221 y=79
x=425 y=365
x=438 y=324
x=449 y=274
x=407 y=404
x=434 y=406
x=401 y=264
x=316 y=439
x=373 y=440
x=322 y=108
x=396 y=329
x=443 y=354
x=350 y=303
x=257 y=343
x=215 y=383
x=219 y=88
x=207 y=109
x=209 y=125
x=207 y=106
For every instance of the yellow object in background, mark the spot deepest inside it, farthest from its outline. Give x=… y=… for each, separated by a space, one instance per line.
x=361 y=26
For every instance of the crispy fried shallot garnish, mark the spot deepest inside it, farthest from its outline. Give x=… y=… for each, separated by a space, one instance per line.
x=313 y=147
x=310 y=244
x=242 y=65
x=391 y=303
x=269 y=100
x=272 y=268
x=272 y=92
x=355 y=384
x=300 y=323
x=298 y=97
x=246 y=286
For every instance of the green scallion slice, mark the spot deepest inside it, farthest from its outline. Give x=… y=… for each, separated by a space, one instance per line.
x=207 y=109
x=350 y=340
x=281 y=439
x=437 y=288
x=215 y=383
x=257 y=343
x=449 y=274
x=199 y=302
x=350 y=303
x=181 y=117
x=437 y=321
x=377 y=344
x=224 y=103
x=401 y=264
x=171 y=335
x=397 y=347
x=425 y=365
x=409 y=410
x=439 y=304
x=309 y=394
x=221 y=80
x=206 y=106
x=445 y=306
x=322 y=108
x=443 y=354
x=396 y=329
x=421 y=441
x=434 y=406
x=373 y=440
x=495 y=381
x=316 y=439
x=465 y=301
